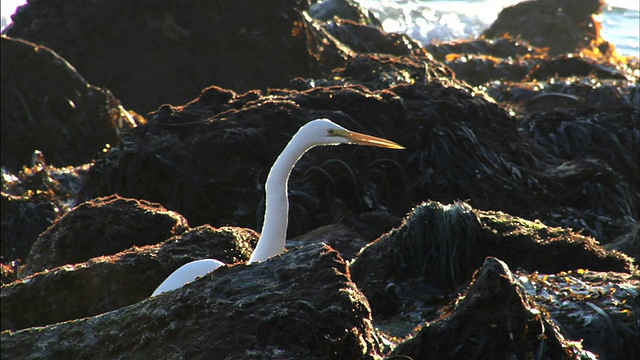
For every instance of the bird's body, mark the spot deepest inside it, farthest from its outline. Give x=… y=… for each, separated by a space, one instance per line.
x=187 y=273
x=274 y=229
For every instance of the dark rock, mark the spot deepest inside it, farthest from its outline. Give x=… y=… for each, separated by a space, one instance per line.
x=458 y=141
x=628 y=243
x=102 y=226
x=600 y=175
x=561 y=26
x=23 y=219
x=460 y=146
x=343 y=9
x=338 y=236
x=546 y=100
x=572 y=66
x=299 y=305
x=477 y=65
x=536 y=247
x=31 y=200
x=444 y=244
x=379 y=71
x=366 y=39
x=183 y=169
x=350 y=236
x=599 y=309
x=531 y=99
x=534 y=184
x=110 y=282
x=480 y=70
x=371 y=225
x=536 y=41
x=587 y=189
x=211 y=43
x=480 y=61
x=586 y=133
x=48 y=106
x=501 y=48
x=494 y=319
x=435 y=241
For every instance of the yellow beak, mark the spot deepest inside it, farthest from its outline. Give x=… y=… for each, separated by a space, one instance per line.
x=363 y=139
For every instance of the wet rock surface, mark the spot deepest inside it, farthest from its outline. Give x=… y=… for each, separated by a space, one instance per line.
x=109 y=282
x=33 y=199
x=534 y=131
x=494 y=319
x=411 y=276
x=443 y=245
x=382 y=71
x=231 y=313
x=598 y=308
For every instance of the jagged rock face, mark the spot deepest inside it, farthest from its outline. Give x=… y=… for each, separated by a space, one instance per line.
x=593 y=306
x=442 y=245
x=493 y=320
x=299 y=305
x=504 y=315
x=102 y=226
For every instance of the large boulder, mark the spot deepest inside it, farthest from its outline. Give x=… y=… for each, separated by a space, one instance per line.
x=494 y=319
x=150 y=53
x=110 y=282
x=299 y=305
x=48 y=106
x=102 y=226
x=558 y=26
x=442 y=245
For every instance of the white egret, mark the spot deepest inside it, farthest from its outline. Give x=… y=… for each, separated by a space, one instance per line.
x=274 y=228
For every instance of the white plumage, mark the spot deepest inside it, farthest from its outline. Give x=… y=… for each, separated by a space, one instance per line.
x=274 y=229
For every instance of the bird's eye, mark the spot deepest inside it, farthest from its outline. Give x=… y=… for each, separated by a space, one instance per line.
x=332 y=132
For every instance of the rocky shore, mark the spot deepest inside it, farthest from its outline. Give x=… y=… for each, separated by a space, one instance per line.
x=137 y=138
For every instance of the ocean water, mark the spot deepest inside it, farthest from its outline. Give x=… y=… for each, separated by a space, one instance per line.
x=437 y=20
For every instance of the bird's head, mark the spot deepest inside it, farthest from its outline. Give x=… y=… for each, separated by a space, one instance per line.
x=326 y=132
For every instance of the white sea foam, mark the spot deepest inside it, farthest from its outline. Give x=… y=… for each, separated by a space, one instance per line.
x=438 y=21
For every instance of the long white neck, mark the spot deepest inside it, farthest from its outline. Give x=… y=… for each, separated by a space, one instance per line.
x=274 y=228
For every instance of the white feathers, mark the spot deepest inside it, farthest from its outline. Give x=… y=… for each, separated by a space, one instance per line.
x=274 y=228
